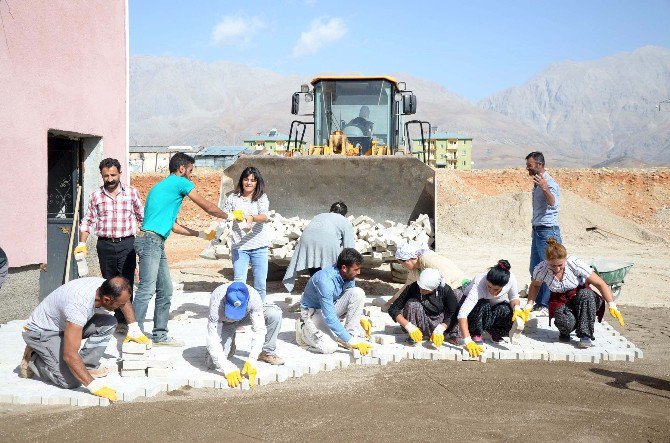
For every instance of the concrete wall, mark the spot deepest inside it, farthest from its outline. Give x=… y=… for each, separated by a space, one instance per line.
x=63 y=68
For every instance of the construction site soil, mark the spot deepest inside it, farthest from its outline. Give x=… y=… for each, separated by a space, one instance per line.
x=482 y=216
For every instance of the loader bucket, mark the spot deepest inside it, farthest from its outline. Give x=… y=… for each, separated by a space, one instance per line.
x=384 y=188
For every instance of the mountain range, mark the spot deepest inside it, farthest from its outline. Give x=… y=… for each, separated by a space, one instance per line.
x=593 y=113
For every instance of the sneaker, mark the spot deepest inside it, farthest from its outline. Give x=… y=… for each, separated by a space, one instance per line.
x=270 y=359
x=564 y=338
x=24 y=367
x=99 y=372
x=584 y=342
x=169 y=341
x=121 y=328
x=477 y=339
x=541 y=311
x=496 y=337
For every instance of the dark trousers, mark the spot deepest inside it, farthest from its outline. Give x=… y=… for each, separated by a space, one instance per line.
x=579 y=314
x=494 y=319
x=118 y=258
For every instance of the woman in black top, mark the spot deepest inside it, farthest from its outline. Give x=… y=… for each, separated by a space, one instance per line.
x=424 y=306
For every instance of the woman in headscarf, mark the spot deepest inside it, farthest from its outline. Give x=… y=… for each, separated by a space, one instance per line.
x=421 y=309
x=572 y=303
x=416 y=258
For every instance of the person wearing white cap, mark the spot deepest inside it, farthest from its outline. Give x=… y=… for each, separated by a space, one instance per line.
x=491 y=304
x=238 y=304
x=415 y=258
x=423 y=307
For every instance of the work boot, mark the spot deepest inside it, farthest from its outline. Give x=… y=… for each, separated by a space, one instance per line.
x=270 y=359
x=24 y=367
x=99 y=372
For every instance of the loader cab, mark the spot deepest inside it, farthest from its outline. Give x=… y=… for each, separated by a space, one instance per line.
x=363 y=108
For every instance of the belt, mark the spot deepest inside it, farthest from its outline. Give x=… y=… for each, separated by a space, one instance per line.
x=115 y=240
x=144 y=231
x=540 y=227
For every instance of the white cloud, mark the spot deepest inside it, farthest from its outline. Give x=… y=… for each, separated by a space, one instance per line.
x=320 y=33
x=236 y=30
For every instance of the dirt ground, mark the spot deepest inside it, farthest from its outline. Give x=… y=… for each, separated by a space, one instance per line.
x=482 y=216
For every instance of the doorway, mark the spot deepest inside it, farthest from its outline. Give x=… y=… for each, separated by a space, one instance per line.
x=64 y=175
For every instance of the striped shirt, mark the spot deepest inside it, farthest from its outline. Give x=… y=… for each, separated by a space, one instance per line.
x=73 y=302
x=476 y=290
x=113 y=217
x=257 y=237
x=575 y=274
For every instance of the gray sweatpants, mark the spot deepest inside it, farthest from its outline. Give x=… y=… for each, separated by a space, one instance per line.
x=4 y=271
x=47 y=360
x=317 y=335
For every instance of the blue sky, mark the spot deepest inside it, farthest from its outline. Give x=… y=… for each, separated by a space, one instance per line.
x=471 y=48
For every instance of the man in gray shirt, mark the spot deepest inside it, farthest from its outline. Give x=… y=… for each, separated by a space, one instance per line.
x=546 y=196
x=320 y=243
x=55 y=329
x=237 y=304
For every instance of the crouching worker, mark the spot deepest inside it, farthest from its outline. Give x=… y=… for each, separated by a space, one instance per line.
x=238 y=304
x=55 y=329
x=572 y=303
x=491 y=304
x=331 y=294
x=423 y=307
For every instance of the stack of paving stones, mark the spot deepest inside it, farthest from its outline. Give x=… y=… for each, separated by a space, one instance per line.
x=377 y=242
x=139 y=361
x=538 y=342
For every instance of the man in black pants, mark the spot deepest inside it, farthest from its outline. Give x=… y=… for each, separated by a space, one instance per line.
x=115 y=210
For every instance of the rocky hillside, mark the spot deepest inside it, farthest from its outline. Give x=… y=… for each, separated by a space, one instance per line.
x=603 y=111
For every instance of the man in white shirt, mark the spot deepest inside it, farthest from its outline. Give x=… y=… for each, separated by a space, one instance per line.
x=237 y=304
x=55 y=329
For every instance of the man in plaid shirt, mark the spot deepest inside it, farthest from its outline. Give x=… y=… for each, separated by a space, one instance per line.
x=115 y=211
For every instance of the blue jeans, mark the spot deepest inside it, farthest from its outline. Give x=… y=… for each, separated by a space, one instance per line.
x=538 y=251
x=154 y=278
x=259 y=266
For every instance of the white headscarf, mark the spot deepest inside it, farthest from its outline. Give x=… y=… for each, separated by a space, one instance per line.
x=409 y=251
x=430 y=279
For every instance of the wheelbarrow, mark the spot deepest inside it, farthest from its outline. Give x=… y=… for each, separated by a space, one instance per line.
x=612 y=272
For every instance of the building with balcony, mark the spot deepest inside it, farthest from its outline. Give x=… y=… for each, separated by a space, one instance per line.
x=445 y=150
x=273 y=143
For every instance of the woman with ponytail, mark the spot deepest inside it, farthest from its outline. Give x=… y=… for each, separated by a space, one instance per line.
x=572 y=303
x=490 y=303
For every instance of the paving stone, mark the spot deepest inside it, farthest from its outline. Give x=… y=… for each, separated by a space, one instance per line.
x=245 y=385
x=26 y=399
x=176 y=384
x=384 y=360
x=620 y=356
x=129 y=356
x=88 y=400
x=55 y=399
x=6 y=398
x=132 y=347
x=160 y=372
x=283 y=374
x=133 y=373
x=393 y=329
x=329 y=366
x=133 y=364
x=586 y=358
x=266 y=379
x=154 y=390
x=132 y=394
x=163 y=363
x=638 y=353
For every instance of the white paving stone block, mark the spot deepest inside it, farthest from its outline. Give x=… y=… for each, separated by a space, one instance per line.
x=314 y=367
x=176 y=384
x=27 y=399
x=620 y=356
x=127 y=365
x=132 y=347
x=131 y=394
x=266 y=378
x=329 y=366
x=152 y=391
x=384 y=339
x=393 y=329
x=162 y=363
x=135 y=357
x=344 y=363
x=133 y=373
x=283 y=374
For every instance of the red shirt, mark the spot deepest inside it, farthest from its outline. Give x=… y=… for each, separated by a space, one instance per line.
x=113 y=217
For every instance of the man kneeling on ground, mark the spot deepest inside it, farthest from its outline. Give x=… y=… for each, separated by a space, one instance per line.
x=329 y=295
x=238 y=304
x=55 y=329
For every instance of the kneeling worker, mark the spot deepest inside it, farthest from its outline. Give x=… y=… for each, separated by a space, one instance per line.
x=330 y=294
x=238 y=304
x=55 y=329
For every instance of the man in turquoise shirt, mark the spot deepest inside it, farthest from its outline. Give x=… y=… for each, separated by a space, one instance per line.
x=160 y=218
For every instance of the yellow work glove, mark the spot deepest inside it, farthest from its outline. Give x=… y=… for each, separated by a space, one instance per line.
x=366 y=324
x=518 y=313
x=614 y=312
x=98 y=388
x=209 y=236
x=234 y=378
x=527 y=310
x=414 y=332
x=81 y=249
x=473 y=348
x=250 y=372
x=135 y=334
x=362 y=346
x=238 y=215
x=437 y=337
